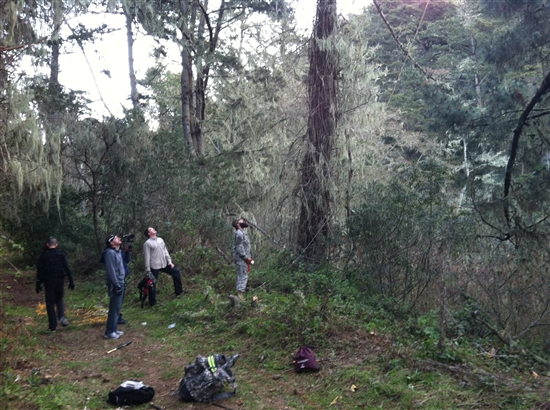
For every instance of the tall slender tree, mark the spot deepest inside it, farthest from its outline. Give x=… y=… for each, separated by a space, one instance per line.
x=130 y=9
x=314 y=189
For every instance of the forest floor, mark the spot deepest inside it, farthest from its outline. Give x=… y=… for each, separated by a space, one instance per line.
x=72 y=369
x=78 y=354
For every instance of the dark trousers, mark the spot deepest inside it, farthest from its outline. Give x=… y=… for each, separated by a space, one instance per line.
x=54 y=291
x=176 y=277
x=123 y=295
x=115 y=306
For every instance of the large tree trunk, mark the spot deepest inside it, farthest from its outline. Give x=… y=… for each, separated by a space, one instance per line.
x=315 y=193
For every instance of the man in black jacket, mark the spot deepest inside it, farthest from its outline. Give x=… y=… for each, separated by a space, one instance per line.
x=51 y=268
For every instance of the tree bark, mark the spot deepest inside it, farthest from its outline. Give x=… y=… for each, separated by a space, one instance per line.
x=186 y=78
x=186 y=99
x=473 y=45
x=203 y=73
x=55 y=41
x=130 y=43
x=315 y=193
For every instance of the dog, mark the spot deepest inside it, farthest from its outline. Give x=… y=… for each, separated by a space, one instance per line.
x=145 y=286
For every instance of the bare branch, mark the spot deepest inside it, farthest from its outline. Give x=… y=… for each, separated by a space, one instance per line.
x=543 y=89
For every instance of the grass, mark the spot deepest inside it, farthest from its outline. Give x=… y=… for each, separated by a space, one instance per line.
x=361 y=368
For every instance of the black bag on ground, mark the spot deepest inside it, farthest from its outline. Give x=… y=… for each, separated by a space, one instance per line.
x=131 y=392
x=205 y=379
x=304 y=360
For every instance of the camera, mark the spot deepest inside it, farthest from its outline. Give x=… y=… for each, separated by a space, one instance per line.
x=128 y=238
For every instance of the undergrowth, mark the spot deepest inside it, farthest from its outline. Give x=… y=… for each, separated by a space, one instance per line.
x=374 y=353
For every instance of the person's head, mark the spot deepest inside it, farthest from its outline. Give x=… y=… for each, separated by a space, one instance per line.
x=113 y=241
x=51 y=242
x=150 y=232
x=240 y=223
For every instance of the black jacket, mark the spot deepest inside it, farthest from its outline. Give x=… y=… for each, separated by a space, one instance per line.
x=52 y=264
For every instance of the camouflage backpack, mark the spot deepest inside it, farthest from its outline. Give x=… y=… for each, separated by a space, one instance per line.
x=205 y=379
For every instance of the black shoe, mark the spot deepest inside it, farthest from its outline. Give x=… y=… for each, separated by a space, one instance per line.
x=122 y=322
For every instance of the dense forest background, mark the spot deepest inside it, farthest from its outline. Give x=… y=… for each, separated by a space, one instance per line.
x=402 y=150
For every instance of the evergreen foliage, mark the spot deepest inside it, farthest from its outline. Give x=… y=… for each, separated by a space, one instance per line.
x=66 y=222
x=406 y=235
x=413 y=176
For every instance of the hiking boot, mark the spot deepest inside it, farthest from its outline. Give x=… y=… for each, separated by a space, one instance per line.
x=111 y=336
x=240 y=295
x=63 y=320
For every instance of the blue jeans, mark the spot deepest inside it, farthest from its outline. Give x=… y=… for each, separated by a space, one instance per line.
x=115 y=306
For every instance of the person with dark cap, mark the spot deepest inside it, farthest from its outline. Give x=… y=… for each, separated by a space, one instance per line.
x=157 y=259
x=241 y=255
x=114 y=275
x=125 y=251
x=51 y=268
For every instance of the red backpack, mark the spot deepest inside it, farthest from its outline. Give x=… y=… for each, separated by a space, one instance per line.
x=304 y=360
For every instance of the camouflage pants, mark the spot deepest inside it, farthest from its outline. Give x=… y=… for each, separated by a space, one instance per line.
x=242 y=276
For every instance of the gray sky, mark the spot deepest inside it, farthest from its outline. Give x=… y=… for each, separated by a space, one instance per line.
x=88 y=72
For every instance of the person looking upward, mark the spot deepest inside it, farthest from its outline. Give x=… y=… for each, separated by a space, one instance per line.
x=157 y=259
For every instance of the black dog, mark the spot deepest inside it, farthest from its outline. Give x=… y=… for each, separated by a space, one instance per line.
x=145 y=286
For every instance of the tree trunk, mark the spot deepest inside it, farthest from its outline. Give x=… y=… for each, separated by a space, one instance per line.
x=442 y=314
x=186 y=78
x=315 y=193
x=55 y=41
x=203 y=73
x=95 y=212
x=186 y=99
x=473 y=45
x=130 y=42
x=200 y=87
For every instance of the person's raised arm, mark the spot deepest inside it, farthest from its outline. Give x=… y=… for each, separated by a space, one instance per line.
x=147 y=257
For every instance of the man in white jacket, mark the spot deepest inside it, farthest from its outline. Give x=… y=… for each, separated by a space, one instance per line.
x=157 y=259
